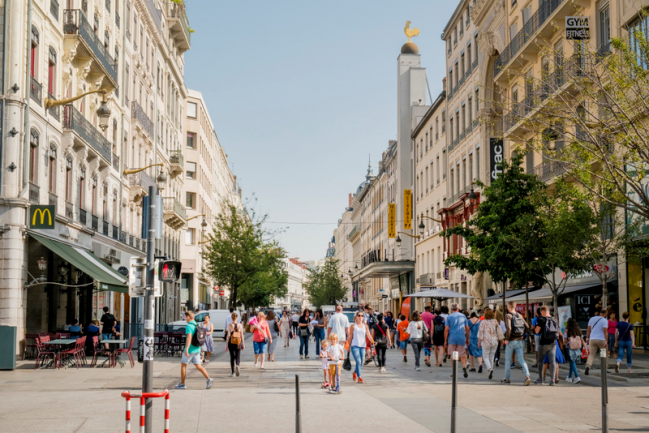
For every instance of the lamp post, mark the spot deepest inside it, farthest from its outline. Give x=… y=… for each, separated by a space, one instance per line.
x=103 y=112
x=42 y=265
x=407 y=234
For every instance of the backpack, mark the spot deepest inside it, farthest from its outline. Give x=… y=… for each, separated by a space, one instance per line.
x=517 y=326
x=198 y=338
x=381 y=339
x=235 y=337
x=550 y=331
x=439 y=328
x=574 y=343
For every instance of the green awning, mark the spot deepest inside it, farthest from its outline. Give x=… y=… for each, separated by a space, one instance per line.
x=107 y=278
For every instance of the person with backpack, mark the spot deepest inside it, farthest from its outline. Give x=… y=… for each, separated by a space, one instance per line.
x=234 y=344
x=515 y=327
x=596 y=336
x=548 y=327
x=575 y=343
x=195 y=337
x=381 y=337
x=438 y=337
x=456 y=336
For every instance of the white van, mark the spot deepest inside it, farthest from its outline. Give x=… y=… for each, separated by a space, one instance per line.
x=217 y=317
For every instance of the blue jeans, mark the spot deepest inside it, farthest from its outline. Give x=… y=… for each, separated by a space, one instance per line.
x=625 y=345
x=106 y=336
x=573 y=355
x=517 y=347
x=359 y=357
x=259 y=347
x=304 y=345
x=319 y=335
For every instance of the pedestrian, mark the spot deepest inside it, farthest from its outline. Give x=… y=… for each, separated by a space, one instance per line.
x=228 y=320
x=284 y=328
x=319 y=327
x=559 y=359
x=294 y=323
x=612 y=323
x=596 y=336
x=339 y=325
x=381 y=334
x=625 y=340
x=403 y=336
x=515 y=327
x=438 y=337
x=547 y=326
x=208 y=347
x=575 y=343
x=536 y=336
x=488 y=339
x=324 y=358
x=336 y=355
x=273 y=327
x=107 y=324
x=417 y=330
x=260 y=339
x=389 y=321
x=427 y=317
x=456 y=335
x=359 y=333
x=304 y=321
x=475 y=352
x=444 y=315
x=234 y=343
x=192 y=352
x=501 y=322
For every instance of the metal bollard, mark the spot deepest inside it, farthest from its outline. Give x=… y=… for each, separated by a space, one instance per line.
x=602 y=355
x=454 y=392
x=298 y=414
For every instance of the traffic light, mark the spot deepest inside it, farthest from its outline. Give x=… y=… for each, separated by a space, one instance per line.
x=169 y=271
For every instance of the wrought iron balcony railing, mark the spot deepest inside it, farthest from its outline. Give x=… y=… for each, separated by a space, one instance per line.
x=36 y=91
x=56 y=110
x=138 y=114
x=74 y=120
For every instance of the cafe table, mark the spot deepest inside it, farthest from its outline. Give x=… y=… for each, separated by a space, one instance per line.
x=59 y=342
x=117 y=358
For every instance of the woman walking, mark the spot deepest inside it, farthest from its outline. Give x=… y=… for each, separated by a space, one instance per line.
x=612 y=323
x=488 y=339
x=273 y=327
x=438 y=337
x=234 y=344
x=320 y=324
x=474 y=348
x=575 y=342
x=381 y=334
x=208 y=346
x=501 y=323
x=284 y=326
x=625 y=340
x=416 y=329
x=359 y=333
x=260 y=339
x=303 y=329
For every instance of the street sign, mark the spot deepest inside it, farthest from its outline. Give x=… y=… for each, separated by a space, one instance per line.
x=169 y=271
x=392 y=220
x=577 y=28
x=136 y=277
x=407 y=209
x=222 y=293
x=600 y=268
x=384 y=296
x=42 y=217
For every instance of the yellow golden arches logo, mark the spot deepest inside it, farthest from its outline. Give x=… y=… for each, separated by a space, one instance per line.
x=42 y=217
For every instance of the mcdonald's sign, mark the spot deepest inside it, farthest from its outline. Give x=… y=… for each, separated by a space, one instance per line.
x=42 y=217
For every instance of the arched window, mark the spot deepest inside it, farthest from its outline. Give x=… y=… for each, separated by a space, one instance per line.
x=34 y=52
x=33 y=155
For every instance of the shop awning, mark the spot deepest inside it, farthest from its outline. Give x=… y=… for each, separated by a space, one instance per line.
x=438 y=293
x=386 y=269
x=546 y=292
x=508 y=295
x=106 y=277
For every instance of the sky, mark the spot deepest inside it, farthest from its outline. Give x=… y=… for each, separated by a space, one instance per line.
x=302 y=94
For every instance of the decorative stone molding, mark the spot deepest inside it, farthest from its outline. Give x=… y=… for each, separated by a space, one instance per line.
x=479 y=10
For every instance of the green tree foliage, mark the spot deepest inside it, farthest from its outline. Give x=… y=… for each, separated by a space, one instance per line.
x=240 y=257
x=324 y=285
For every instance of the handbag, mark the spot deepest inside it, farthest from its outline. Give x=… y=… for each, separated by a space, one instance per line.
x=347 y=364
x=499 y=333
x=304 y=332
x=290 y=334
x=585 y=352
x=426 y=333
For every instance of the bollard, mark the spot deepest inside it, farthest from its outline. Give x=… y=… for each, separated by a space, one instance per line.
x=298 y=414
x=602 y=355
x=454 y=392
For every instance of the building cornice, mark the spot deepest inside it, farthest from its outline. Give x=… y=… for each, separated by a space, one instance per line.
x=458 y=10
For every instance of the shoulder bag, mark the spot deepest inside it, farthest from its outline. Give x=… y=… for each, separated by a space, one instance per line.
x=426 y=332
x=499 y=332
x=617 y=343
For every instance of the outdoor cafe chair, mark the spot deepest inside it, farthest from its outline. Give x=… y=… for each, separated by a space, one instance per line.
x=73 y=352
x=128 y=351
x=100 y=351
x=44 y=352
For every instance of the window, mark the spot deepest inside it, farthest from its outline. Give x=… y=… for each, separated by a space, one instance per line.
x=190 y=200
x=52 y=169
x=477 y=101
x=443 y=121
x=513 y=31
x=477 y=162
x=437 y=168
x=189 y=236
x=436 y=128
x=191 y=170
x=106 y=39
x=80 y=196
x=450 y=77
x=452 y=182
x=33 y=155
x=68 y=179
x=191 y=110
x=190 y=140
x=470 y=110
x=34 y=52
x=94 y=196
x=432 y=182
x=475 y=45
x=527 y=14
x=464 y=173
x=463 y=116
x=51 y=71
x=451 y=124
x=444 y=161
x=471 y=167
x=468 y=54
x=462 y=64
x=604 y=29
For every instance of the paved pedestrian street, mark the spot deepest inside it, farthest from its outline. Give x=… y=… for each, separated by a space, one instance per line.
x=88 y=400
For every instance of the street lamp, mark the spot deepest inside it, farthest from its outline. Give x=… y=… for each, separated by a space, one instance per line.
x=161 y=180
x=407 y=234
x=103 y=112
x=42 y=265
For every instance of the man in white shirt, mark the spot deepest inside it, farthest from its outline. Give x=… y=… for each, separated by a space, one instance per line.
x=596 y=336
x=339 y=325
x=295 y=318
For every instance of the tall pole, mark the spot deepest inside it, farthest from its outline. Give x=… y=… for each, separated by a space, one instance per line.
x=147 y=372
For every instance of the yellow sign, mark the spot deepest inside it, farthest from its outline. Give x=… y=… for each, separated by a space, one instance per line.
x=392 y=220
x=407 y=209
x=42 y=217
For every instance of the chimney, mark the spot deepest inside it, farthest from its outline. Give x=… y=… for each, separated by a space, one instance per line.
x=444 y=84
x=350 y=200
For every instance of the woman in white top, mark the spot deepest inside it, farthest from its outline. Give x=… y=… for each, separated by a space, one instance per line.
x=359 y=333
x=416 y=329
x=284 y=325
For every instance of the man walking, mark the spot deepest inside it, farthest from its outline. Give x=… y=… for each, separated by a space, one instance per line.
x=456 y=335
x=548 y=329
x=107 y=324
x=596 y=336
x=515 y=328
x=295 y=318
x=339 y=325
x=191 y=353
x=427 y=317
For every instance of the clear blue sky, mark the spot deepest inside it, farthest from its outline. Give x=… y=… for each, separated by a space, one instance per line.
x=301 y=93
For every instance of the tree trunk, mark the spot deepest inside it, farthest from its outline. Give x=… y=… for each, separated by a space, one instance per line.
x=232 y=302
x=604 y=289
x=504 y=300
x=555 y=300
x=527 y=307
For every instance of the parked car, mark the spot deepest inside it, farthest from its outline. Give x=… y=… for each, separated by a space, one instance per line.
x=217 y=317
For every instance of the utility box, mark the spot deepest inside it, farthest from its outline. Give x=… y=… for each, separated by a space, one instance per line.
x=7 y=347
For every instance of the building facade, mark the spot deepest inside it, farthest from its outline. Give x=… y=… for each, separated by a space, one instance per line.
x=296 y=298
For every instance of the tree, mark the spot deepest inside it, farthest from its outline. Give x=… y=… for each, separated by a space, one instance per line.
x=324 y=285
x=264 y=286
x=239 y=257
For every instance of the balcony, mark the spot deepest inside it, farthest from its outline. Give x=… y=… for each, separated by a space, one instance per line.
x=138 y=114
x=55 y=112
x=115 y=232
x=104 y=228
x=548 y=170
x=74 y=120
x=156 y=15
x=455 y=197
x=69 y=210
x=53 y=201
x=83 y=217
x=174 y=213
x=353 y=234
x=36 y=91
x=177 y=162
x=95 y=222
x=140 y=183
x=34 y=193
x=179 y=26
x=76 y=26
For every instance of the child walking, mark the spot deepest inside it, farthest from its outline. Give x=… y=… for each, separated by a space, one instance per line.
x=336 y=355
x=575 y=343
x=324 y=357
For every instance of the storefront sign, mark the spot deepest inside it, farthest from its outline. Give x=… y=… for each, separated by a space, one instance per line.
x=392 y=220
x=565 y=313
x=577 y=28
x=496 y=154
x=585 y=306
x=42 y=217
x=407 y=209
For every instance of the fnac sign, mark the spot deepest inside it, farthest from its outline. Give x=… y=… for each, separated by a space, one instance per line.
x=42 y=217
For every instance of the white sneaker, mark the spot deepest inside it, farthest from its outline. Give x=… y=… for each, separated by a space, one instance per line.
x=576 y=380
x=232 y=375
x=382 y=369
x=256 y=365
x=417 y=368
x=569 y=379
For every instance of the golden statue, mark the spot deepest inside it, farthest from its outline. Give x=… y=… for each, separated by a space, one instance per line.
x=411 y=33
